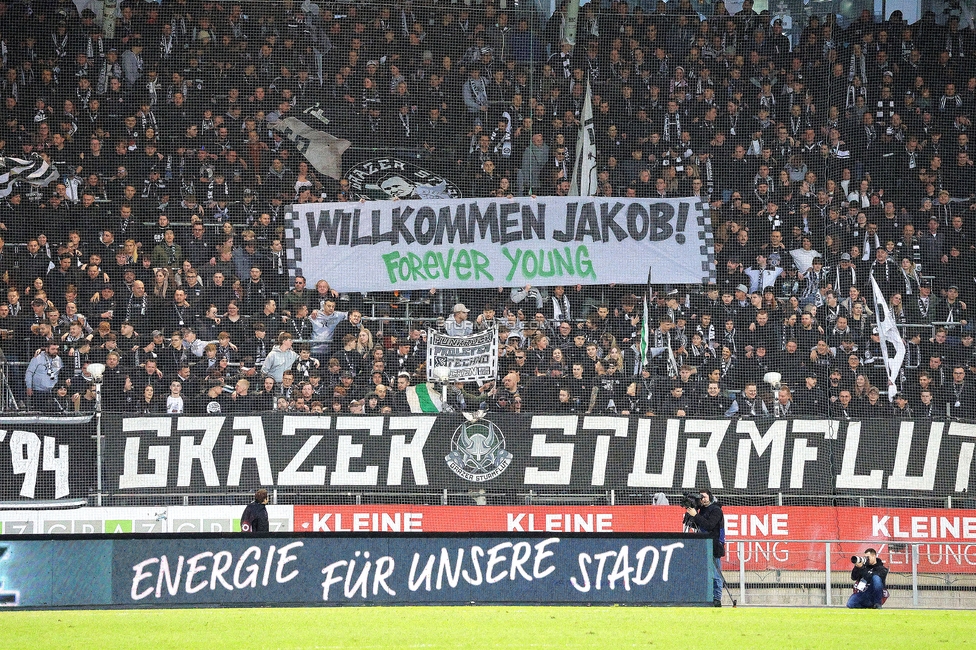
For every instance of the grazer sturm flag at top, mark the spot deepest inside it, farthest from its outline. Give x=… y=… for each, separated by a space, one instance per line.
x=584 y=182
x=322 y=150
x=32 y=171
x=888 y=333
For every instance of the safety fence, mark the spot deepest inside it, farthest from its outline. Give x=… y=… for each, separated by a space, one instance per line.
x=799 y=572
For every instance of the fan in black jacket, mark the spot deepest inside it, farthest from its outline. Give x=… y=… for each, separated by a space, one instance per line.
x=713 y=404
x=255 y=516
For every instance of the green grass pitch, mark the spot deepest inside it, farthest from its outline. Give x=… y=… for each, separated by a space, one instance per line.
x=491 y=627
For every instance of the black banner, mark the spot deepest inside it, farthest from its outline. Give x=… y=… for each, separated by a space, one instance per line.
x=176 y=570
x=46 y=458
x=504 y=452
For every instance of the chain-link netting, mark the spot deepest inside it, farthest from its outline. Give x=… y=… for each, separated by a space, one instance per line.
x=150 y=164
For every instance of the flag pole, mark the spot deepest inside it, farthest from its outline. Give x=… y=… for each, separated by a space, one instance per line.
x=645 y=342
x=572 y=20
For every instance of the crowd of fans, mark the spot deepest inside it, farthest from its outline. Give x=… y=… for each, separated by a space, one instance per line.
x=827 y=156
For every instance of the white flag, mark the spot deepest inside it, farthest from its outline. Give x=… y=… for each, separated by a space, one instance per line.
x=432 y=192
x=31 y=171
x=322 y=150
x=584 y=181
x=888 y=333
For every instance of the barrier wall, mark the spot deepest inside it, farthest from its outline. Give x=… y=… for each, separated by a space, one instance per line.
x=166 y=571
x=505 y=452
x=147 y=520
x=305 y=456
x=500 y=453
x=946 y=537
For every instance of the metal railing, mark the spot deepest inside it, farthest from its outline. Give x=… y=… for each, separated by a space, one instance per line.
x=815 y=572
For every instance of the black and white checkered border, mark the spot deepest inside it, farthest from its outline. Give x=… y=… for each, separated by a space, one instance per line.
x=289 y=241
x=293 y=255
x=706 y=236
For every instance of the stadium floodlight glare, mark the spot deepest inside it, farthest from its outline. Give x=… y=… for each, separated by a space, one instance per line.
x=96 y=370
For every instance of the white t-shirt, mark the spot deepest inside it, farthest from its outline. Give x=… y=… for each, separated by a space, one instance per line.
x=174 y=404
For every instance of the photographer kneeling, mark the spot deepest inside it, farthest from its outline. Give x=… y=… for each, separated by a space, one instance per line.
x=869 y=575
x=709 y=519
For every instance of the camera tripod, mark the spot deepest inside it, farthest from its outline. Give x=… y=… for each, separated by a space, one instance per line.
x=688 y=526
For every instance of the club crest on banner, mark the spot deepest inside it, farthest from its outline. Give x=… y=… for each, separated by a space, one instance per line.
x=383 y=179
x=478 y=451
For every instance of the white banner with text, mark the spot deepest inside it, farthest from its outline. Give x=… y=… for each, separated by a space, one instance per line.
x=468 y=358
x=491 y=242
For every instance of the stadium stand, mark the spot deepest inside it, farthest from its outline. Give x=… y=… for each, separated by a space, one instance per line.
x=829 y=151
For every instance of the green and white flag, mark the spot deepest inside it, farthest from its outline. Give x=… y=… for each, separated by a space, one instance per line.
x=645 y=340
x=645 y=333
x=424 y=398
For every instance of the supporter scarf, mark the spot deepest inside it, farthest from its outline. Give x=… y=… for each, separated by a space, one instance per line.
x=480 y=91
x=708 y=175
x=108 y=71
x=954 y=45
x=166 y=46
x=83 y=96
x=949 y=101
x=60 y=46
x=796 y=125
x=594 y=69
x=906 y=50
x=783 y=410
x=672 y=122
x=858 y=68
x=405 y=121
x=853 y=92
x=853 y=277
x=885 y=108
x=136 y=306
x=152 y=87
x=812 y=286
x=149 y=121
x=908 y=283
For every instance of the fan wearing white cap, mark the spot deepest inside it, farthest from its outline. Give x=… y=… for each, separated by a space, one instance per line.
x=458 y=324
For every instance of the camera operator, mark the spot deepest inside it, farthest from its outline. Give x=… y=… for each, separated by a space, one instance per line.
x=709 y=519
x=869 y=574
x=255 y=517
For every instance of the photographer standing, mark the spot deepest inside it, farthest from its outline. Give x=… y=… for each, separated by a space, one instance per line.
x=710 y=520
x=255 y=517
x=869 y=574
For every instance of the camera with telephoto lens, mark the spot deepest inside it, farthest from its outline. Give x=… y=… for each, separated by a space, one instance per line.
x=691 y=500
x=859 y=558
